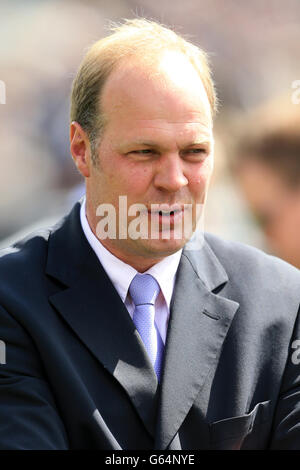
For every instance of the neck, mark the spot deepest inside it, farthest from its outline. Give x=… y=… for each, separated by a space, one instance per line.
x=140 y=263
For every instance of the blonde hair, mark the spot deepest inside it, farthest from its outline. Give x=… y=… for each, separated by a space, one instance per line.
x=136 y=37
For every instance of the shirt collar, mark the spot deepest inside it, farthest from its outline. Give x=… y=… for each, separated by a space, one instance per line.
x=121 y=274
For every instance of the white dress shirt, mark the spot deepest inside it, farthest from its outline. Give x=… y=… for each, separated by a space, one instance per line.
x=121 y=275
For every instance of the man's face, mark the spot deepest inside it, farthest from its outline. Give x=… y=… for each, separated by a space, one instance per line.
x=276 y=207
x=157 y=148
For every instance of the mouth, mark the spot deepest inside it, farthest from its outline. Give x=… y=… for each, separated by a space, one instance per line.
x=166 y=214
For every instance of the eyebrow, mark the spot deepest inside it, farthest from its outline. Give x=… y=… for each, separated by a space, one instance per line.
x=201 y=142
x=149 y=143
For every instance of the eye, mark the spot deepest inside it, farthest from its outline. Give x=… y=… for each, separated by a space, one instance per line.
x=199 y=150
x=197 y=153
x=142 y=151
x=142 y=154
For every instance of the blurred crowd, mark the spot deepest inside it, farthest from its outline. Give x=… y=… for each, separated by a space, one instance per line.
x=254 y=52
x=265 y=160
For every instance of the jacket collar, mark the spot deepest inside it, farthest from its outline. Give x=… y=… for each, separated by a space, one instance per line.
x=68 y=241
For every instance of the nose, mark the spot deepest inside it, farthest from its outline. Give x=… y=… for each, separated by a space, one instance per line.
x=169 y=174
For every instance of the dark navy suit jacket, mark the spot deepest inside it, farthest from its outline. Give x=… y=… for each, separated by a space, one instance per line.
x=76 y=374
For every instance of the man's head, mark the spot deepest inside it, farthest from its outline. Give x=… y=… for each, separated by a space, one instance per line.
x=266 y=163
x=137 y=39
x=142 y=107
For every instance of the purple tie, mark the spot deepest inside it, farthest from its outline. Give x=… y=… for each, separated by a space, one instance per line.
x=144 y=289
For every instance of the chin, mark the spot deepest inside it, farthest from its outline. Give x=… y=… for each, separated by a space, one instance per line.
x=163 y=247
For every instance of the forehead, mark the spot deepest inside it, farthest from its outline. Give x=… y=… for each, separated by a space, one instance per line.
x=156 y=94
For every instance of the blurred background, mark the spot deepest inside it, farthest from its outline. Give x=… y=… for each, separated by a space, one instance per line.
x=254 y=50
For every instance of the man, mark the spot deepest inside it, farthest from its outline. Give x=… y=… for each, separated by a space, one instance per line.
x=137 y=342
x=266 y=164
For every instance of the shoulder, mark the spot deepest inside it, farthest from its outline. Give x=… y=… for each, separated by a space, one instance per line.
x=25 y=265
x=24 y=260
x=243 y=262
x=266 y=288
x=25 y=255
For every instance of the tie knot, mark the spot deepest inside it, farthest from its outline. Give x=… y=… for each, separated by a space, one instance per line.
x=144 y=289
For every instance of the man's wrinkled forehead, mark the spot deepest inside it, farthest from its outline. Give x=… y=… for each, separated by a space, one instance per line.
x=170 y=90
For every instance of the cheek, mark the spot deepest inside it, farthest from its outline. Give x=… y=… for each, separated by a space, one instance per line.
x=125 y=177
x=135 y=179
x=200 y=176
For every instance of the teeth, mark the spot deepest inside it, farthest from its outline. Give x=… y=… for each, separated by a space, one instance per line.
x=166 y=212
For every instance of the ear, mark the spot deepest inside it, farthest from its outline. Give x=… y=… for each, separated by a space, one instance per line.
x=80 y=149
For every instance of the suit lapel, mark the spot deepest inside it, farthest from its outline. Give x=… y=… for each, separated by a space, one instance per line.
x=199 y=321
x=93 y=309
